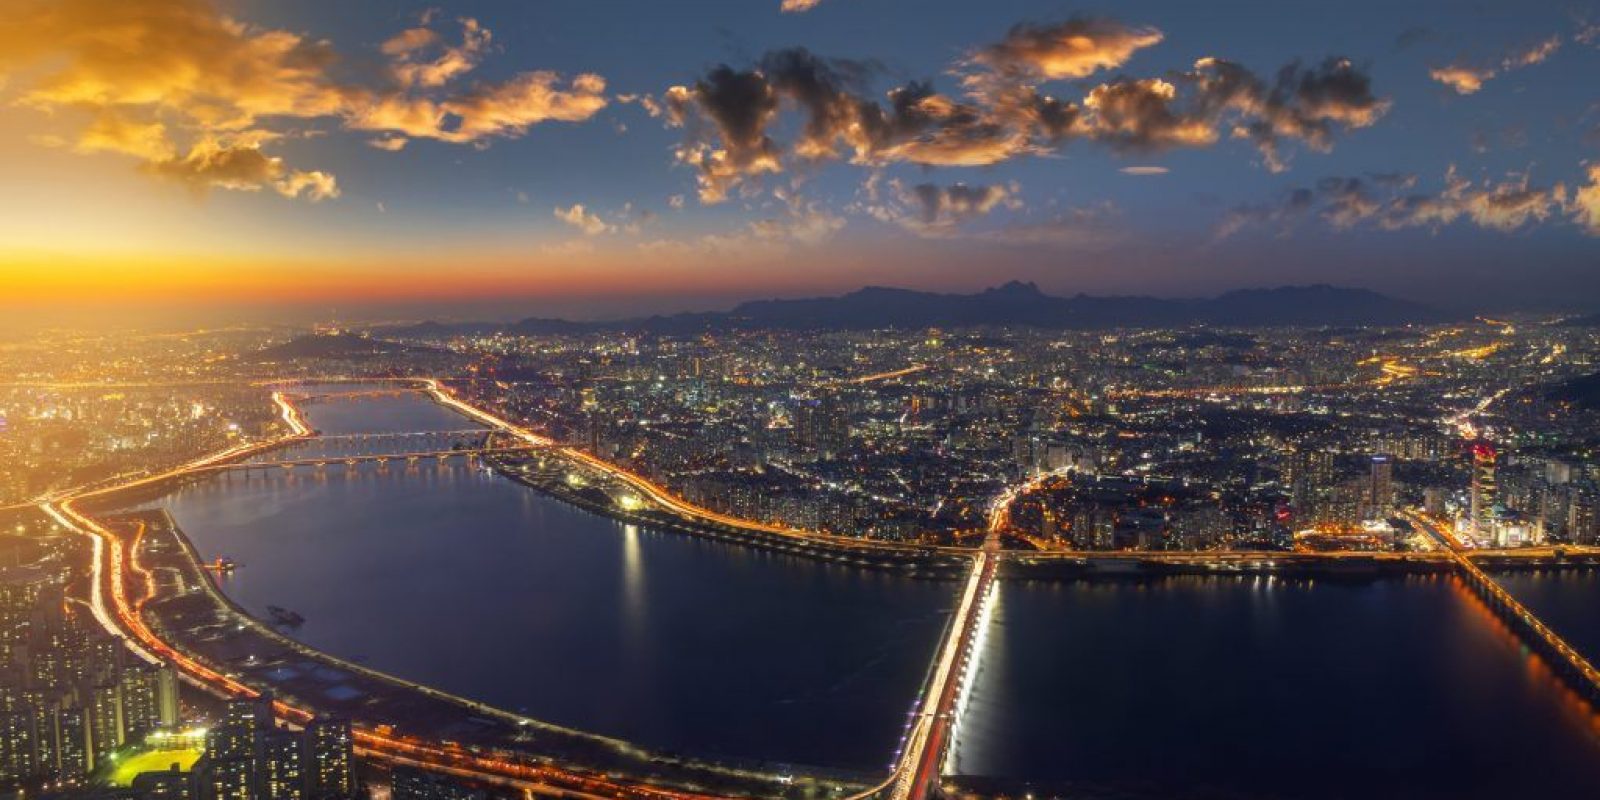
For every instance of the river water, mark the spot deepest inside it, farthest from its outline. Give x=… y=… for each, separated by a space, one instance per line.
x=456 y=577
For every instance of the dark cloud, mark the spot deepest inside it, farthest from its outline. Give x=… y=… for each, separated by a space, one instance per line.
x=728 y=115
x=1305 y=104
x=957 y=202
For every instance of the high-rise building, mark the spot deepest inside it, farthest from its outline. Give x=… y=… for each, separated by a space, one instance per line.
x=1380 y=495
x=282 y=769
x=105 y=720
x=407 y=783
x=1308 y=476
x=166 y=784
x=331 y=750
x=74 y=757
x=1483 y=489
x=18 y=756
x=226 y=778
x=149 y=698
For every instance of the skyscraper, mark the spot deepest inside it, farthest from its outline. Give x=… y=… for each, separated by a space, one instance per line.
x=1380 y=495
x=331 y=750
x=1483 y=494
x=283 y=765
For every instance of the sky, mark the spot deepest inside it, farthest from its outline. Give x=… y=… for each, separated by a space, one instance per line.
x=586 y=159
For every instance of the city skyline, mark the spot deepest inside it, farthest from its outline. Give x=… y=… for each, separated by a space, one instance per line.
x=508 y=159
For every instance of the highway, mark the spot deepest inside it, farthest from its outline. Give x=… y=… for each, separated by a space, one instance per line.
x=879 y=376
x=655 y=492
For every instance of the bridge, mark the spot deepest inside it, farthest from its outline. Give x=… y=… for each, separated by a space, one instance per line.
x=411 y=457
x=382 y=436
x=1565 y=661
x=921 y=761
x=358 y=394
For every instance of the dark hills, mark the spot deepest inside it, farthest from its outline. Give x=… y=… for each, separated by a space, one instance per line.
x=1583 y=392
x=1019 y=304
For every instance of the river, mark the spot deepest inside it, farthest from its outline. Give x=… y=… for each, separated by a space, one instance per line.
x=1242 y=687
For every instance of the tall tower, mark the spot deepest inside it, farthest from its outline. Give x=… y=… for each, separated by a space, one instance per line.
x=1380 y=494
x=1483 y=461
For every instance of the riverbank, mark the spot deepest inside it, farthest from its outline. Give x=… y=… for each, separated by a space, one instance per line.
x=189 y=612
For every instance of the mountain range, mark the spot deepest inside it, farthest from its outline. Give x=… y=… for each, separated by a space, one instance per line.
x=1015 y=303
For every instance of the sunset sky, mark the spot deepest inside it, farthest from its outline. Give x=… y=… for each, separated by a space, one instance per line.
x=588 y=158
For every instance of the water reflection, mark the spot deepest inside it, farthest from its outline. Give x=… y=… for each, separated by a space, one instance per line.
x=1254 y=687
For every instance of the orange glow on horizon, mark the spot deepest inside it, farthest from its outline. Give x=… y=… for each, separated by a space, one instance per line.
x=39 y=278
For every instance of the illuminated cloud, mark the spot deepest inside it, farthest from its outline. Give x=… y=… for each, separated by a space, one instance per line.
x=1462 y=78
x=511 y=107
x=1076 y=48
x=411 y=50
x=1142 y=115
x=584 y=220
x=1467 y=78
x=393 y=144
x=240 y=165
x=1383 y=201
x=113 y=132
x=798 y=6
x=1142 y=170
x=160 y=77
x=1585 y=205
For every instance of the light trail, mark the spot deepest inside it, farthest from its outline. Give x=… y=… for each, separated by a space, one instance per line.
x=878 y=376
x=110 y=605
x=660 y=494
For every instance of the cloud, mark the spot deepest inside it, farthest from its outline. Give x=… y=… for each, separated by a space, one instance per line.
x=1466 y=78
x=160 y=77
x=1383 y=201
x=1142 y=115
x=1075 y=48
x=729 y=116
x=1143 y=170
x=113 y=132
x=1463 y=79
x=240 y=165
x=409 y=48
x=1304 y=104
x=805 y=223
x=930 y=209
x=1585 y=204
x=392 y=143
x=510 y=107
x=738 y=105
x=581 y=218
x=798 y=6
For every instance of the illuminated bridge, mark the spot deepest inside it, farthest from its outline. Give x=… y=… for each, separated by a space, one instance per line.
x=357 y=394
x=922 y=753
x=410 y=457
x=405 y=435
x=1562 y=658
